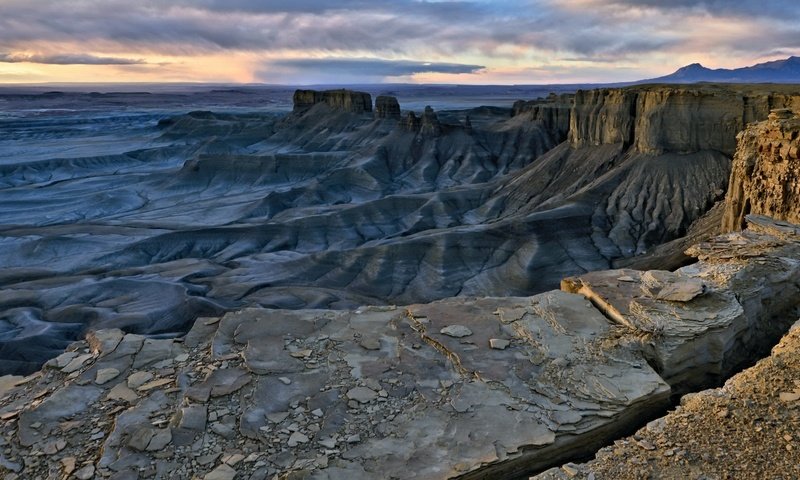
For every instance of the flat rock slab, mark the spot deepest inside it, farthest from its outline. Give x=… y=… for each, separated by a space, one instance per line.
x=694 y=318
x=297 y=392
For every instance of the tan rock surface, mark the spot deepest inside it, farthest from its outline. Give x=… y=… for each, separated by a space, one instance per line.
x=765 y=172
x=668 y=118
x=346 y=100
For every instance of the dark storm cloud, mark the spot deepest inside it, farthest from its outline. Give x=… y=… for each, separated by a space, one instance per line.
x=373 y=67
x=67 y=59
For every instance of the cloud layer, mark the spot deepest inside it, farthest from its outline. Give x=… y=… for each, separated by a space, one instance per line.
x=480 y=40
x=66 y=59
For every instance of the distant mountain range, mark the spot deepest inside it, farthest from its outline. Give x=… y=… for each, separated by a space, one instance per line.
x=778 y=71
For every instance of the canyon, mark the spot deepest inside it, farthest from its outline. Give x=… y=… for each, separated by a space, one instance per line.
x=381 y=294
x=207 y=212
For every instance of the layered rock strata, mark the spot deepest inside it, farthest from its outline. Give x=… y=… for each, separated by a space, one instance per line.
x=708 y=320
x=554 y=111
x=346 y=100
x=766 y=169
x=387 y=107
x=460 y=388
x=658 y=119
x=749 y=429
x=230 y=210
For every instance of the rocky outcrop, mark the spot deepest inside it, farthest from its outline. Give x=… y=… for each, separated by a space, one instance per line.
x=747 y=429
x=553 y=112
x=410 y=122
x=387 y=107
x=663 y=118
x=706 y=321
x=461 y=388
x=346 y=100
x=427 y=125
x=430 y=126
x=766 y=169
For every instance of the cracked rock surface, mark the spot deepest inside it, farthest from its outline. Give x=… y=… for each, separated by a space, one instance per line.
x=261 y=392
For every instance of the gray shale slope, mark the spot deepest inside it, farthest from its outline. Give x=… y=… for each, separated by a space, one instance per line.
x=340 y=204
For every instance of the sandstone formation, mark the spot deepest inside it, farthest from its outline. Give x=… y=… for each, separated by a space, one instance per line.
x=346 y=100
x=553 y=111
x=430 y=126
x=411 y=122
x=461 y=388
x=766 y=169
x=658 y=119
x=387 y=107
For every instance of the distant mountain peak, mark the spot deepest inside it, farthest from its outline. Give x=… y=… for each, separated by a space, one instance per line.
x=776 y=71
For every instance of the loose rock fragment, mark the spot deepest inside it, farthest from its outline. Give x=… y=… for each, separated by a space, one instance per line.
x=155 y=384
x=138 y=379
x=222 y=472
x=122 y=392
x=105 y=375
x=789 y=397
x=160 y=439
x=68 y=464
x=456 y=331
x=76 y=363
x=682 y=291
x=297 y=438
x=85 y=473
x=362 y=394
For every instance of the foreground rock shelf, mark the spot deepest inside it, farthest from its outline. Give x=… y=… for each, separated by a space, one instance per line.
x=748 y=429
x=459 y=388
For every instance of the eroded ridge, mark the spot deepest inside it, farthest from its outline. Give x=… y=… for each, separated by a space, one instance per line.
x=460 y=388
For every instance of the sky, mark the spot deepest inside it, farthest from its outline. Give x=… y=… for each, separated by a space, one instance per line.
x=306 y=42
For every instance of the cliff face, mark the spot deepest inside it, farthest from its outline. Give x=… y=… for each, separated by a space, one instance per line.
x=387 y=107
x=654 y=159
x=659 y=119
x=553 y=112
x=347 y=100
x=766 y=170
